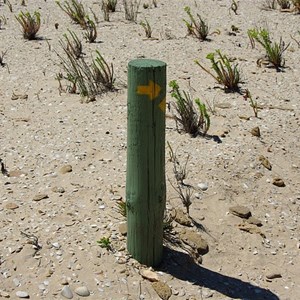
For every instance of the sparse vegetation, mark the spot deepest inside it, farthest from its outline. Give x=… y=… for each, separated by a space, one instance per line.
x=227 y=74
x=103 y=72
x=189 y=120
x=121 y=208
x=179 y=170
x=105 y=9
x=73 y=44
x=234 y=6
x=197 y=28
x=30 y=24
x=274 y=50
x=269 y=4
x=90 y=30
x=86 y=80
x=75 y=10
x=296 y=4
x=105 y=243
x=253 y=104
x=3 y=21
x=147 y=28
x=9 y=5
x=3 y=53
x=131 y=9
x=284 y=4
x=111 y=5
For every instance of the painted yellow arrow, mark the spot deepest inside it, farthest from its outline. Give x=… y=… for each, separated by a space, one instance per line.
x=152 y=90
x=162 y=105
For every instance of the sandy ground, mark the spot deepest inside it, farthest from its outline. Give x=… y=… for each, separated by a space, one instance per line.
x=45 y=131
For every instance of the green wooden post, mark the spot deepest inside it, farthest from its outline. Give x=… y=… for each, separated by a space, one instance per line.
x=145 y=180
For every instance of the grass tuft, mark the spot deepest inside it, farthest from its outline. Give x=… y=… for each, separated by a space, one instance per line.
x=226 y=74
x=189 y=120
x=30 y=24
x=274 y=50
x=197 y=28
x=75 y=10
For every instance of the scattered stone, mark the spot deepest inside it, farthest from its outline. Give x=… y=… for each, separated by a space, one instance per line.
x=22 y=294
x=16 y=173
x=66 y=292
x=278 y=182
x=116 y=197
x=150 y=275
x=11 y=206
x=223 y=105
x=162 y=289
x=182 y=218
x=4 y=294
x=123 y=228
x=57 y=189
x=251 y=229
x=203 y=186
x=240 y=211
x=66 y=169
x=265 y=162
x=82 y=291
x=273 y=275
x=255 y=131
x=16 y=282
x=195 y=241
x=254 y=221
x=40 y=197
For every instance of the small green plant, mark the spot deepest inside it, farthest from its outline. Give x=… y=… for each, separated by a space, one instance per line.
x=30 y=24
x=253 y=103
x=90 y=30
x=75 y=10
x=73 y=44
x=197 y=28
x=105 y=243
x=131 y=9
x=274 y=50
x=147 y=28
x=226 y=74
x=284 y=4
x=187 y=117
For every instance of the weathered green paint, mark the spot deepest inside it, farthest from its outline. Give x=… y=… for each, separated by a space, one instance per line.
x=145 y=181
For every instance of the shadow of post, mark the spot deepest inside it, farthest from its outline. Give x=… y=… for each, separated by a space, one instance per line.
x=182 y=266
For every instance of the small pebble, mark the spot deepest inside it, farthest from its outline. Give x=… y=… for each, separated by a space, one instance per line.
x=82 y=291
x=203 y=186
x=22 y=294
x=66 y=292
x=16 y=282
x=273 y=275
x=65 y=169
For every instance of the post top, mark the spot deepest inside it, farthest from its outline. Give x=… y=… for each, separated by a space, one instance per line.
x=146 y=63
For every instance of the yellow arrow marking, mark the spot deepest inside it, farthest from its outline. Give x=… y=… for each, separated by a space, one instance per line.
x=162 y=105
x=152 y=90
